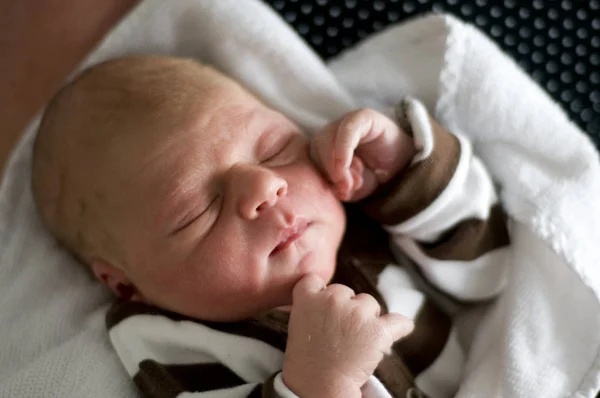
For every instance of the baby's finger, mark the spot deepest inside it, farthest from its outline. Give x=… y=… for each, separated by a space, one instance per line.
x=368 y=303
x=341 y=292
x=344 y=186
x=351 y=130
x=398 y=325
x=356 y=169
x=368 y=184
x=307 y=286
x=352 y=181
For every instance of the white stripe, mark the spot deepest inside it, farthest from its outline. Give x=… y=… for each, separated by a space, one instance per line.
x=442 y=378
x=421 y=128
x=281 y=389
x=184 y=342
x=469 y=194
x=235 y=392
x=478 y=279
x=399 y=292
x=371 y=389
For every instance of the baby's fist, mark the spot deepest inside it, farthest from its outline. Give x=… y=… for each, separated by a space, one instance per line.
x=336 y=339
x=360 y=151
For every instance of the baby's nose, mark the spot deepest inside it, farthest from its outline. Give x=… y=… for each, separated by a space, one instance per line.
x=262 y=189
x=272 y=195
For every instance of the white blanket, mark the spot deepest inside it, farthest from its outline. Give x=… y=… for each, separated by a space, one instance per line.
x=540 y=339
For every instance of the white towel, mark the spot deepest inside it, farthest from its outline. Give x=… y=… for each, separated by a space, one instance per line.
x=540 y=339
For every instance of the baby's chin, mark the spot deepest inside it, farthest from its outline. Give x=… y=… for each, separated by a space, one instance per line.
x=314 y=264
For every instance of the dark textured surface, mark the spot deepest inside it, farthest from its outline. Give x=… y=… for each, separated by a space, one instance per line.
x=556 y=42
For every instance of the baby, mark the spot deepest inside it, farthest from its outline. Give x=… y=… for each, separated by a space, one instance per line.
x=219 y=227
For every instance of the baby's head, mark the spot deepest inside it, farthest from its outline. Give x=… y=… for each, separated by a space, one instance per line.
x=180 y=189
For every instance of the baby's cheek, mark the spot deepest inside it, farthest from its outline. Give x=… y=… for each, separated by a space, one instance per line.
x=228 y=268
x=310 y=179
x=166 y=290
x=316 y=192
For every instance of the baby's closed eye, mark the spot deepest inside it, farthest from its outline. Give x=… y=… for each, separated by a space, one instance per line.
x=284 y=151
x=204 y=213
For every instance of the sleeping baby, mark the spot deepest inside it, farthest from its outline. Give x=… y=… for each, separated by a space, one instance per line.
x=237 y=269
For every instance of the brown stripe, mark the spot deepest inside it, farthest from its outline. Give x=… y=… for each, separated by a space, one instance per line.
x=365 y=239
x=394 y=375
x=413 y=189
x=259 y=392
x=153 y=380
x=274 y=336
x=276 y=323
x=424 y=345
x=158 y=380
x=471 y=238
x=252 y=328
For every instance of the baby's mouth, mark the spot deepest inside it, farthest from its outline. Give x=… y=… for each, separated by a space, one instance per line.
x=288 y=235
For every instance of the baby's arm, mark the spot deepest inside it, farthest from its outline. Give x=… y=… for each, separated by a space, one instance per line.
x=443 y=211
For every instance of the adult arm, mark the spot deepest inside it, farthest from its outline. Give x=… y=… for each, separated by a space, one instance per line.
x=41 y=42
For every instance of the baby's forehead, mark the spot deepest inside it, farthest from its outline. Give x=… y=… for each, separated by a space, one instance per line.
x=147 y=82
x=143 y=94
x=143 y=107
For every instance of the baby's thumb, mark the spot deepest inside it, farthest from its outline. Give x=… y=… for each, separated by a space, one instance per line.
x=398 y=325
x=369 y=184
x=307 y=286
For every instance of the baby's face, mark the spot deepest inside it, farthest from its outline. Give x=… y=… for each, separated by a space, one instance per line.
x=220 y=219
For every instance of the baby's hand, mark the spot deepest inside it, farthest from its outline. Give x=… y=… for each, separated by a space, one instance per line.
x=360 y=151
x=336 y=339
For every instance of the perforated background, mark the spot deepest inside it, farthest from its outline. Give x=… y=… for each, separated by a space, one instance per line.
x=556 y=42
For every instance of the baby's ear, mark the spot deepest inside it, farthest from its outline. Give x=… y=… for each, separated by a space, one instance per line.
x=115 y=279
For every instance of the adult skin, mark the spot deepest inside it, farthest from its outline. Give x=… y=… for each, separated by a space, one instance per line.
x=41 y=42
